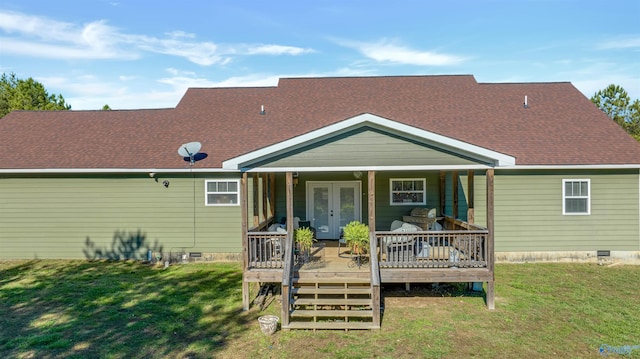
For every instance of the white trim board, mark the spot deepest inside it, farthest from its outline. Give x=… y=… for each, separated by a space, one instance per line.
x=113 y=170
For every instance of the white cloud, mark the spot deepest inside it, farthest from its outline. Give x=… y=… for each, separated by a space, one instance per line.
x=276 y=50
x=182 y=80
x=590 y=86
x=176 y=72
x=623 y=42
x=202 y=53
x=178 y=34
x=590 y=75
x=42 y=37
x=45 y=38
x=389 y=51
x=90 y=93
x=62 y=51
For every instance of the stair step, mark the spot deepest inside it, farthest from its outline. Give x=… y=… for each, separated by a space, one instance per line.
x=332 y=313
x=337 y=290
x=331 y=325
x=331 y=280
x=332 y=301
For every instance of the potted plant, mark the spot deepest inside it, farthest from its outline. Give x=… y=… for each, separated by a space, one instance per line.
x=357 y=236
x=304 y=238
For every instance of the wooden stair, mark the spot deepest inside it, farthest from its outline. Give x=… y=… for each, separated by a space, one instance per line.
x=331 y=303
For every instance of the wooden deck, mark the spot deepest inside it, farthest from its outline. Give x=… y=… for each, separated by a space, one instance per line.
x=323 y=261
x=330 y=289
x=318 y=290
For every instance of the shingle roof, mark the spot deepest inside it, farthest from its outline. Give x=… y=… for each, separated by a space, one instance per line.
x=560 y=127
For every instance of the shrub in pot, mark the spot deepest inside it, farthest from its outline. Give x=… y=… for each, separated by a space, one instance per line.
x=357 y=236
x=304 y=238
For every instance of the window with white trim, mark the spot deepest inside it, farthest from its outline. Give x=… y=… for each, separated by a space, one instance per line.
x=408 y=191
x=222 y=192
x=576 y=196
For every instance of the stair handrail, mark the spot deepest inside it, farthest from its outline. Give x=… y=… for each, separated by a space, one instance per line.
x=375 y=279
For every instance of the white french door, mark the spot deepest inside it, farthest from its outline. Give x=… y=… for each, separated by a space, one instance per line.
x=331 y=205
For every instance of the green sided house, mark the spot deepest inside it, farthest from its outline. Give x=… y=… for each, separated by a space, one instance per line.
x=450 y=175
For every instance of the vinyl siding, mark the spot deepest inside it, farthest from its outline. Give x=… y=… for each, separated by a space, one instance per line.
x=385 y=213
x=528 y=212
x=480 y=198
x=462 y=195
x=61 y=216
x=368 y=148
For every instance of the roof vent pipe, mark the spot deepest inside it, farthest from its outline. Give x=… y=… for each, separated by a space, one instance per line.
x=262 y=111
x=526 y=103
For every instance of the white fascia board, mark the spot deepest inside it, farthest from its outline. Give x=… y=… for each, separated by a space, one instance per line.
x=370 y=168
x=499 y=159
x=112 y=170
x=572 y=167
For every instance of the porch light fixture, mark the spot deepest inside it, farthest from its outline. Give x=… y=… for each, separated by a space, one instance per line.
x=295 y=179
x=357 y=175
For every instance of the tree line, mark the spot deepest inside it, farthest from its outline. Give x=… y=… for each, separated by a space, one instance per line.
x=29 y=94
x=616 y=103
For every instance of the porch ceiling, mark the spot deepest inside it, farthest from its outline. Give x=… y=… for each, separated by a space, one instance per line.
x=368 y=142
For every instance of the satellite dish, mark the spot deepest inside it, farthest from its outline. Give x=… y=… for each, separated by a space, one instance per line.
x=189 y=149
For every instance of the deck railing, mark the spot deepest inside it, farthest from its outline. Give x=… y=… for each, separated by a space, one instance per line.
x=433 y=249
x=266 y=250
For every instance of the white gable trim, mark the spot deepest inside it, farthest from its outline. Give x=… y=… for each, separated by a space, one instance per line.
x=369 y=168
x=499 y=159
x=112 y=170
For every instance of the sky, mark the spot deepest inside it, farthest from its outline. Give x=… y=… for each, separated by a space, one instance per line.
x=132 y=54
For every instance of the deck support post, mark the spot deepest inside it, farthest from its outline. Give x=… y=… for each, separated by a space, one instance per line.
x=470 y=198
x=490 y=239
x=371 y=201
x=245 y=238
x=256 y=203
x=443 y=200
x=272 y=194
x=289 y=246
x=455 y=178
x=375 y=270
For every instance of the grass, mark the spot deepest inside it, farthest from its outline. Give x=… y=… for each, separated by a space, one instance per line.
x=97 y=309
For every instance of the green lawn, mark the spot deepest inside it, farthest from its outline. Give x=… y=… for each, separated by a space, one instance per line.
x=66 y=309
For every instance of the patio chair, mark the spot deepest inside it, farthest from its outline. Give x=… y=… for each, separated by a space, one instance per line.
x=341 y=242
x=401 y=248
x=276 y=248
